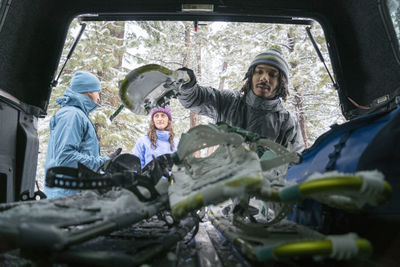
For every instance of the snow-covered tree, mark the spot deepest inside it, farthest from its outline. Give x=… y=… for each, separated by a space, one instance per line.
x=219 y=53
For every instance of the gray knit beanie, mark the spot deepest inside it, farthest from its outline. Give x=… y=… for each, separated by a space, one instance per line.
x=272 y=57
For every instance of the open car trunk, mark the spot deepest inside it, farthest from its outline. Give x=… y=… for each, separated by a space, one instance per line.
x=362 y=44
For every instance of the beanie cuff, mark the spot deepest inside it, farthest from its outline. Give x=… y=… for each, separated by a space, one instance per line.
x=272 y=57
x=86 y=88
x=166 y=110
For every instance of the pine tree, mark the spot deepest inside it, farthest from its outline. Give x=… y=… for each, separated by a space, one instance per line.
x=219 y=53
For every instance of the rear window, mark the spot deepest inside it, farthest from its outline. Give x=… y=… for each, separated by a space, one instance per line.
x=218 y=52
x=394 y=11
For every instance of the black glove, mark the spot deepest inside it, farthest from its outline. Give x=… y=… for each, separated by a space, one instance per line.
x=191 y=76
x=115 y=153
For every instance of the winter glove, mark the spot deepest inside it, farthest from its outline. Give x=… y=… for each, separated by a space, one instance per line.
x=115 y=153
x=191 y=76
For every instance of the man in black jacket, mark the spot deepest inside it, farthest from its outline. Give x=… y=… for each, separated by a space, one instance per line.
x=257 y=107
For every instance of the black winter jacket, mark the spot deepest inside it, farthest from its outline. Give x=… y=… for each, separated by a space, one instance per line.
x=268 y=118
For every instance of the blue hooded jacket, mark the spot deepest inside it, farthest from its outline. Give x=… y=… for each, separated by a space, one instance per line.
x=73 y=138
x=145 y=151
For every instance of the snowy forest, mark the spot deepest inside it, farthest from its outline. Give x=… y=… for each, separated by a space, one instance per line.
x=218 y=52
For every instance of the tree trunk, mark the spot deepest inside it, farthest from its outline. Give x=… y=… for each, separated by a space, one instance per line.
x=210 y=150
x=109 y=93
x=222 y=80
x=117 y=30
x=186 y=56
x=298 y=98
x=194 y=119
x=186 y=62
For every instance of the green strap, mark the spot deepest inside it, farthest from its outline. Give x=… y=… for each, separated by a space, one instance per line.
x=249 y=136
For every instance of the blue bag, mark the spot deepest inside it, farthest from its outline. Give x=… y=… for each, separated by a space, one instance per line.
x=370 y=142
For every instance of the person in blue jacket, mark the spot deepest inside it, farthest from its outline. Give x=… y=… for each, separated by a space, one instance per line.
x=73 y=137
x=159 y=139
